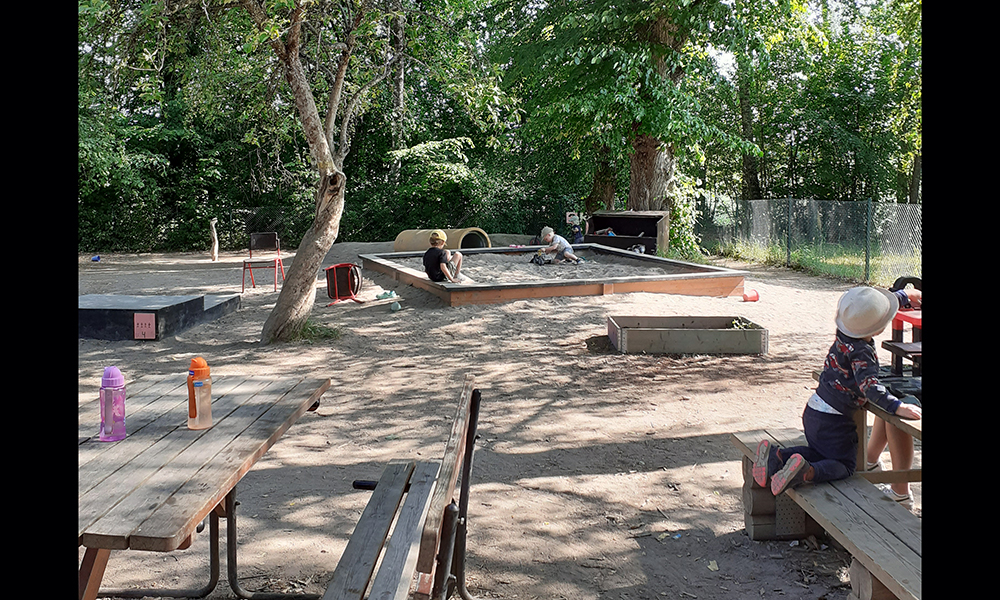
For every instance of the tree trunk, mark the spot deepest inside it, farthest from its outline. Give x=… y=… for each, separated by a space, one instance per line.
x=602 y=194
x=651 y=174
x=915 y=179
x=398 y=35
x=651 y=166
x=751 y=177
x=298 y=292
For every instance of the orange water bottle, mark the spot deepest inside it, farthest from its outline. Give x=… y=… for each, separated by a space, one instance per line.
x=199 y=395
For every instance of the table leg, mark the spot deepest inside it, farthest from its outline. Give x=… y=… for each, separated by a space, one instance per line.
x=214 y=566
x=861 y=422
x=92 y=571
x=234 y=583
x=897 y=336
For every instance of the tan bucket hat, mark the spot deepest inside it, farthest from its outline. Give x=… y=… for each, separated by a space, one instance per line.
x=865 y=311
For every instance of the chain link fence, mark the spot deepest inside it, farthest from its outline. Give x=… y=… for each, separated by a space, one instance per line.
x=861 y=241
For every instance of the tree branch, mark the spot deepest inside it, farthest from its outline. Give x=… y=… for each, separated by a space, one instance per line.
x=345 y=122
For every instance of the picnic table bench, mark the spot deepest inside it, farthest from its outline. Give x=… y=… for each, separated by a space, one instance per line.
x=425 y=555
x=882 y=536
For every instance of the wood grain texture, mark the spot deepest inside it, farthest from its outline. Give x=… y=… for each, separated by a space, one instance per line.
x=153 y=488
x=392 y=582
x=354 y=571
x=883 y=536
x=444 y=491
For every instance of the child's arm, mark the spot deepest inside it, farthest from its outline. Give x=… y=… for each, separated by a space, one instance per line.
x=865 y=366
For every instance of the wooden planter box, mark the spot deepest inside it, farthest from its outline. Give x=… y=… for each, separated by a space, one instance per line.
x=686 y=335
x=648 y=228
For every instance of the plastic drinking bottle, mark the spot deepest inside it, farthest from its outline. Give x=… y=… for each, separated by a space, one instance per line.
x=112 y=399
x=199 y=395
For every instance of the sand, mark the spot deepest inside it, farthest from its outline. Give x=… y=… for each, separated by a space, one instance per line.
x=597 y=475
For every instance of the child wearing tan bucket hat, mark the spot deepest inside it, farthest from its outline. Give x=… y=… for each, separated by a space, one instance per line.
x=442 y=264
x=849 y=378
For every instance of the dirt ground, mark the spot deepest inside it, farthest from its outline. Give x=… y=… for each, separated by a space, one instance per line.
x=598 y=475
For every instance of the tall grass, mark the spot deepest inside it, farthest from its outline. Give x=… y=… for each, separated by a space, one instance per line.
x=829 y=260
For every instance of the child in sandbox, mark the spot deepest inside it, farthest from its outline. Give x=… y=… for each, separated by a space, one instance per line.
x=848 y=379
x=439 y=263
x=558 y=245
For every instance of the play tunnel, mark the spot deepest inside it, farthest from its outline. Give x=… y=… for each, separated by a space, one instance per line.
x=411 y=240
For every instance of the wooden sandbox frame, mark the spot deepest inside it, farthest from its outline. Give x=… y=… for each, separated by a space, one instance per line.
x=690 y=280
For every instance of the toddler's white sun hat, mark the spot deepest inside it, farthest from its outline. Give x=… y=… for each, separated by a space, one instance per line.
x=863 y=312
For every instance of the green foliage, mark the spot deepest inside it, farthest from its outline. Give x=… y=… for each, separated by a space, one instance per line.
x=186 y=116
x=834 y=96
x=684 y=242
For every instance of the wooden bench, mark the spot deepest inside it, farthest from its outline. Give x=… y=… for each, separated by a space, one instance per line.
x=882 y=536
x=424 y=557
x=911 y=351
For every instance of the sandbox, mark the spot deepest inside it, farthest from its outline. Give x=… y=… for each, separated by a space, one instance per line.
x=664 y=276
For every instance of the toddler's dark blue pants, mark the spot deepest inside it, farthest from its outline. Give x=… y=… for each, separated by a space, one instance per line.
x=833 y=445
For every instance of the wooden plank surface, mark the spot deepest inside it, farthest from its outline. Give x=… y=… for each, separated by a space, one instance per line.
x=264 y=420
x=353 y=572
x=185 y=451
x=392 y=582
x=156 y=485
x=880 y=533
x=142 y=406
x=156 y=419
x=913 y=427
x=878 y=548
x=445 y=489
x=112 y=477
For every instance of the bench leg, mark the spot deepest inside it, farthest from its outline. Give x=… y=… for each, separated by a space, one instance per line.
x=463 y=506
x=864 y=586
x=767 y=517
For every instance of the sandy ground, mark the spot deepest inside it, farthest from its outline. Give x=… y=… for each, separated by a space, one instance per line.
x=598 y=475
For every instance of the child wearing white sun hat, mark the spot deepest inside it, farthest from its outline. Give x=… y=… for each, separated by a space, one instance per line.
x=849 y=378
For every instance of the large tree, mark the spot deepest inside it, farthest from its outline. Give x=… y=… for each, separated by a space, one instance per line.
x=331 y=56
x=609 y=74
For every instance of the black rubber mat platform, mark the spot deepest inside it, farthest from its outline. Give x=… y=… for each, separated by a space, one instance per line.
x=114 y=317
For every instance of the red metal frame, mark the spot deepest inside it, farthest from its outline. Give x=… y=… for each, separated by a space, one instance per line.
x=331 y=283
x=263 y=263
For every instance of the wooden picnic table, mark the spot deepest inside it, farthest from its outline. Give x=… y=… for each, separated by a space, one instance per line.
x=152 y=490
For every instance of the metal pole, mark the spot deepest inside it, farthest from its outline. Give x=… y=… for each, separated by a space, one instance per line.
x=175 y=593
x=788 y=244
x=868 y=241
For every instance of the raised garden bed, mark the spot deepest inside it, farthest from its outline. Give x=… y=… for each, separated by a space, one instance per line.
x=686 y=335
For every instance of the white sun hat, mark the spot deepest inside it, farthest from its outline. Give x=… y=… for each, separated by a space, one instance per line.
x=862 y=312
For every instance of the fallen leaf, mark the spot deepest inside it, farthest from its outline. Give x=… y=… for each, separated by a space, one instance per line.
x=713 y=566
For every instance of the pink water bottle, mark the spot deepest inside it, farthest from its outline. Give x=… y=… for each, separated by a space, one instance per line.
x=112 y=405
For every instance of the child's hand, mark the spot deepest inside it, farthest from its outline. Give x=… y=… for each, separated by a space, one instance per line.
x=908 y=411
